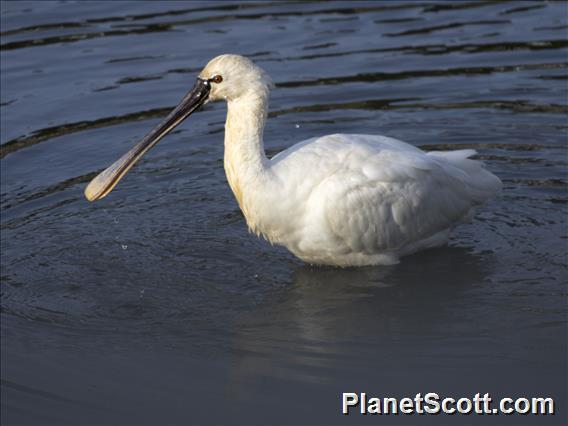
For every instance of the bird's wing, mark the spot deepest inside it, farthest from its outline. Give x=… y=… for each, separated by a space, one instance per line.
x=334 y=145
x=385 y=199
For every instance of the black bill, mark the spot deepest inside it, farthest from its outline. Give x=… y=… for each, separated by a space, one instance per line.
x=105 y=181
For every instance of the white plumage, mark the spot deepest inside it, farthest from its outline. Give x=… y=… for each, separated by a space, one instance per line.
x=352 y=200
x=342 y=200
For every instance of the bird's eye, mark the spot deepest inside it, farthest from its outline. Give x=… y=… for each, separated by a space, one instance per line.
x=216 y=79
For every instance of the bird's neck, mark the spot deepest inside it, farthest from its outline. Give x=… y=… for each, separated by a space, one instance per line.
x=245 y=161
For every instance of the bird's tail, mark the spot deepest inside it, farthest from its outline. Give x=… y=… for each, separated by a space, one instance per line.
x=481 y=182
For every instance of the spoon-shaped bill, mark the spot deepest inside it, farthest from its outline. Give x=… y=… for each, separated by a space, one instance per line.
x=105 y=181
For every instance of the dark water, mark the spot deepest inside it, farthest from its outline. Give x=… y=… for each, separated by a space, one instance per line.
x=155 y=306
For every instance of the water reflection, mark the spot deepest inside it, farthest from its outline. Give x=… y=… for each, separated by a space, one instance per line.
x=306 y=331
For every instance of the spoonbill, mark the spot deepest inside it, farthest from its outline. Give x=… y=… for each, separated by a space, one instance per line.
x=342 y=199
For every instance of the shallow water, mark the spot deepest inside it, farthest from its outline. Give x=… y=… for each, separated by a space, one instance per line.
x=155 y=305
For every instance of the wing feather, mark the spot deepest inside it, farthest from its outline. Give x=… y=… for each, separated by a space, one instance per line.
x=373 y=194
x=396 y=199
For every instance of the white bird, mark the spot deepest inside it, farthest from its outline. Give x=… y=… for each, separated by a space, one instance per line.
x=342 y=199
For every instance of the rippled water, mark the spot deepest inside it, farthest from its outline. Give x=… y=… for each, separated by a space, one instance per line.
x=156 y=306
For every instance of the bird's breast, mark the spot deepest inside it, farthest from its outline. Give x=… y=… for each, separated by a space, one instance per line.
x=233 y=180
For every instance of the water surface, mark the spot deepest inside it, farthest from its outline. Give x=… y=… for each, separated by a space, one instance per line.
x=155 y=305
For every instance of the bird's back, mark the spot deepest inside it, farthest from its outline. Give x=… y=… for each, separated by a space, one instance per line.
x=381 y=158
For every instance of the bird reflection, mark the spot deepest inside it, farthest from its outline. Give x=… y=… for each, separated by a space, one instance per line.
x=328 y=318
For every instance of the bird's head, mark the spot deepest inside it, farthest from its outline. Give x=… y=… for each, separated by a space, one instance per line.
x=228 y=77
x=232 y=76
